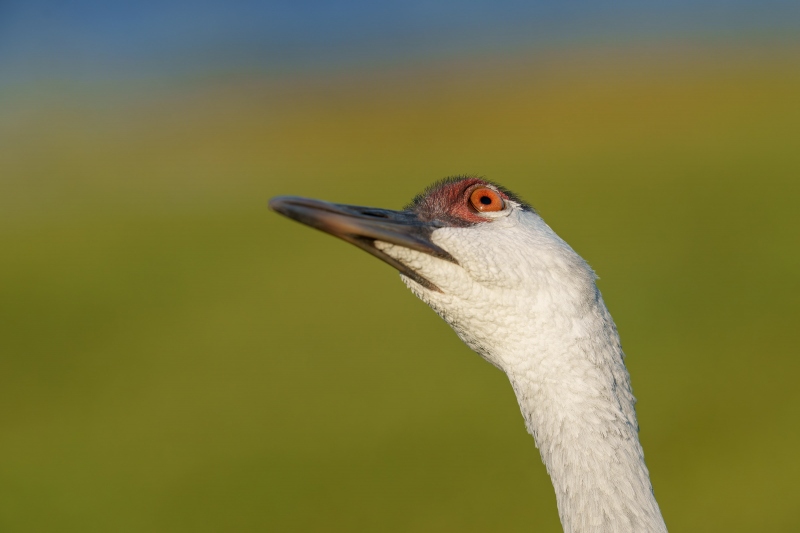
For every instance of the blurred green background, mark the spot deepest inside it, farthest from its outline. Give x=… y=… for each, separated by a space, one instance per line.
x=174 y=357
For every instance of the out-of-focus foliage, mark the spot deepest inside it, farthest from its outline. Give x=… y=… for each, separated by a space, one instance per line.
x=173 y=357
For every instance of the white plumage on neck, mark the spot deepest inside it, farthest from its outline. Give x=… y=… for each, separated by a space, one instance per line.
x=526 y=302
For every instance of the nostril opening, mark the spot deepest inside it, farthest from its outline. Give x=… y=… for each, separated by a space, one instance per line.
x=374 y=213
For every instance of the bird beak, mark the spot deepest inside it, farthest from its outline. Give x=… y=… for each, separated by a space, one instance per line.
x=362 y=226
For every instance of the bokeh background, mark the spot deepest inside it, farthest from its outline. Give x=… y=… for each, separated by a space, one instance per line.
x=174 y=357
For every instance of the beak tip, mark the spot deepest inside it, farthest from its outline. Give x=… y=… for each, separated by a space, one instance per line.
x=276 y=203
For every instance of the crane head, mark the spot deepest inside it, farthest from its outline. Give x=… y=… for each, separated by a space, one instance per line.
x=472 y=250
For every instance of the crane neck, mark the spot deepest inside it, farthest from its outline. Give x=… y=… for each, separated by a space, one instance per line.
x=525 y=301
x=575 y=396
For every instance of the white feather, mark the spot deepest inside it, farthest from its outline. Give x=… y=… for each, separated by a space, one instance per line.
x=527 y=303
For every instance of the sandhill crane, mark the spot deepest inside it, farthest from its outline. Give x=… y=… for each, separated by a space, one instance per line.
x=525 y=301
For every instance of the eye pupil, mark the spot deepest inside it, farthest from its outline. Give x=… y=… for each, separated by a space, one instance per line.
x=485 y=200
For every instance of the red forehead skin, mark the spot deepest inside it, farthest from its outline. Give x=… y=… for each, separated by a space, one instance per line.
x=450 y=201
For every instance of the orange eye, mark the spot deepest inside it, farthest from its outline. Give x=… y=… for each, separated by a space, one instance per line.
x=484 y=199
